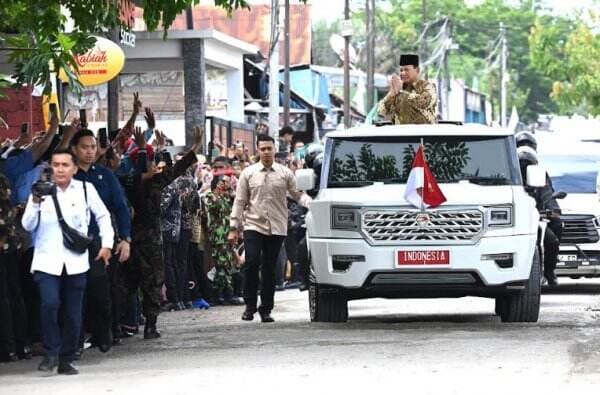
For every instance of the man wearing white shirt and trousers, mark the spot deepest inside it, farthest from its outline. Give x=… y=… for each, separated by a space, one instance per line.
x=59 y=272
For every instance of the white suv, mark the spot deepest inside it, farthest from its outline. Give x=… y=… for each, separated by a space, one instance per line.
x=577 y=175
x=366 y=241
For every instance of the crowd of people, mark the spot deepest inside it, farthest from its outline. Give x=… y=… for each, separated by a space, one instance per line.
x=98 y=236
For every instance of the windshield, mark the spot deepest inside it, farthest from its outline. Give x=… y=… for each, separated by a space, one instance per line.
x=480 y=159
x=572 y=174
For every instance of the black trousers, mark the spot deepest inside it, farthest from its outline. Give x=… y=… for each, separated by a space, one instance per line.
x=98 y=301
x=13 y=317
x=552 y=245
x=258 y=245
x=202 y=288
x=171 y=277
x=182 y=256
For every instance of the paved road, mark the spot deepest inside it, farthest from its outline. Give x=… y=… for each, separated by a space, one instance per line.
x=446 y=346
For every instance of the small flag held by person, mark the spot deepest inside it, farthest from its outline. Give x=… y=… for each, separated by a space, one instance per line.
x=422 y=190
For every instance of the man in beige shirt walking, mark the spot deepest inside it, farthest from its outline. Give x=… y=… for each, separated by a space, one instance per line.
x=260 y=210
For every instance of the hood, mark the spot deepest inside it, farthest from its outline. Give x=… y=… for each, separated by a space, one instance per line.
x=457 y=194
x=580 y=203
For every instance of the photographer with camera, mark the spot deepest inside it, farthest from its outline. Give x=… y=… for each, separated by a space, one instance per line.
x=58 y=212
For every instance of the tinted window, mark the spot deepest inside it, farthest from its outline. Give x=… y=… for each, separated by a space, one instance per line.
x=482 y=160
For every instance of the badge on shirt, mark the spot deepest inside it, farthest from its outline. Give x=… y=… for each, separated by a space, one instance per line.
x=100 y=176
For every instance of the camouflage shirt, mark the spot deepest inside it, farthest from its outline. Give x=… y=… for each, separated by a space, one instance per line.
x=8 y=231
x=216 y=211
x=147 y=198
x=416 y=104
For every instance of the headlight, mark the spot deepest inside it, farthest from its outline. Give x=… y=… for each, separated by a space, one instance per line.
x=344 y=218
x=500 y=216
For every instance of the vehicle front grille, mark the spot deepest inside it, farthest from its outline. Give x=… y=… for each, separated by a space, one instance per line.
x=443 y=226
x=578 y=229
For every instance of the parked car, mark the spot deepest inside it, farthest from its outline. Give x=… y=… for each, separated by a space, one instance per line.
x=577 y=175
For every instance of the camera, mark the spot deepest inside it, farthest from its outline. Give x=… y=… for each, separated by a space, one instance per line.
x=44 y=186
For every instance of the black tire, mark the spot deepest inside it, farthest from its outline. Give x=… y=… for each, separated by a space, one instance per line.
x=325 y=305
x=524 y=306
x=500 y=306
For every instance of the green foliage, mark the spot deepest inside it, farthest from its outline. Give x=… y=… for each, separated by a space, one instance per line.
x=34 y=31
x=368 y=166
x=569 y=54
x=475 y=30
x=445 y=159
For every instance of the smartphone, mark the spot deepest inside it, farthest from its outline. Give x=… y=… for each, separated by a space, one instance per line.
x=24 y=129
x=103 y=137
x=83 y=118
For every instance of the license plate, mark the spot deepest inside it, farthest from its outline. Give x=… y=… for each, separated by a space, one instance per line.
x=423 y=257
x=567 y=258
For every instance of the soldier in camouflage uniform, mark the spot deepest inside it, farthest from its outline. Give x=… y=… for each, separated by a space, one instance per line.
x=410 y=99
x=216 y=210
x=13 y=320
x=146 y=267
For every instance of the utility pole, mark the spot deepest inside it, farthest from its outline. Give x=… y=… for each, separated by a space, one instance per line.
x=286 y=72
x=274 y=74
x=448 y=44
x=424 y=39
x=370 y=49
x=503 y=75
x=112 y=96
x=347 y=122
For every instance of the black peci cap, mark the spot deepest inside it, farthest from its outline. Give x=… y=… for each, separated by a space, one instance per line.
x=409 y=59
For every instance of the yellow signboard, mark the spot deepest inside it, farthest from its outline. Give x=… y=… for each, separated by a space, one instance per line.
x=100 y=64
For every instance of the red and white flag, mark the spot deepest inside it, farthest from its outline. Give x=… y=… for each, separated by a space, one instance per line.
x=422 y=190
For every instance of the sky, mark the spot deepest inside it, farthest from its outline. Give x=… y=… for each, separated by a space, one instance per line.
x=330 y=10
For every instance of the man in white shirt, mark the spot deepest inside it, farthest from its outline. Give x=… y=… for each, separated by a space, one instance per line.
x=59 y=272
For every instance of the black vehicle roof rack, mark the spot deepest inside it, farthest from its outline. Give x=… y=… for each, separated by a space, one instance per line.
x=459 y=123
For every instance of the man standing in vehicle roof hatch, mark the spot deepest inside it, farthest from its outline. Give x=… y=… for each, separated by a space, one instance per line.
x=410 y=99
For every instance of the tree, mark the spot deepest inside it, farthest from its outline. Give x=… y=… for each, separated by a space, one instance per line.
x=475 y=30
x=569 y=54
x=33 y=31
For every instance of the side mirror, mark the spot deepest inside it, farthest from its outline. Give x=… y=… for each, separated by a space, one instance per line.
x=559 y=195
x=536 y=176
x=305 y=179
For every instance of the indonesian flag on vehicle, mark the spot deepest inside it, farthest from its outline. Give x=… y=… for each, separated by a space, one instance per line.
x=422 y=190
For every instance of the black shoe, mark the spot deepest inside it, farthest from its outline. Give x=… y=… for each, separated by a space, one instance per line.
x=27 y=353
x=150 y=332
x=48 y=364
x=247 y=316
x=552 y=280
x=168 y=307
x=234 y=301
x=266 y=317
x=13 y=357
x=128 y=331
x=67 y=369
x=106 y=345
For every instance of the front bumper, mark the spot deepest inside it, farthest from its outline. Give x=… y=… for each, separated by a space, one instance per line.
x=466 y=269
x=579 y=262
